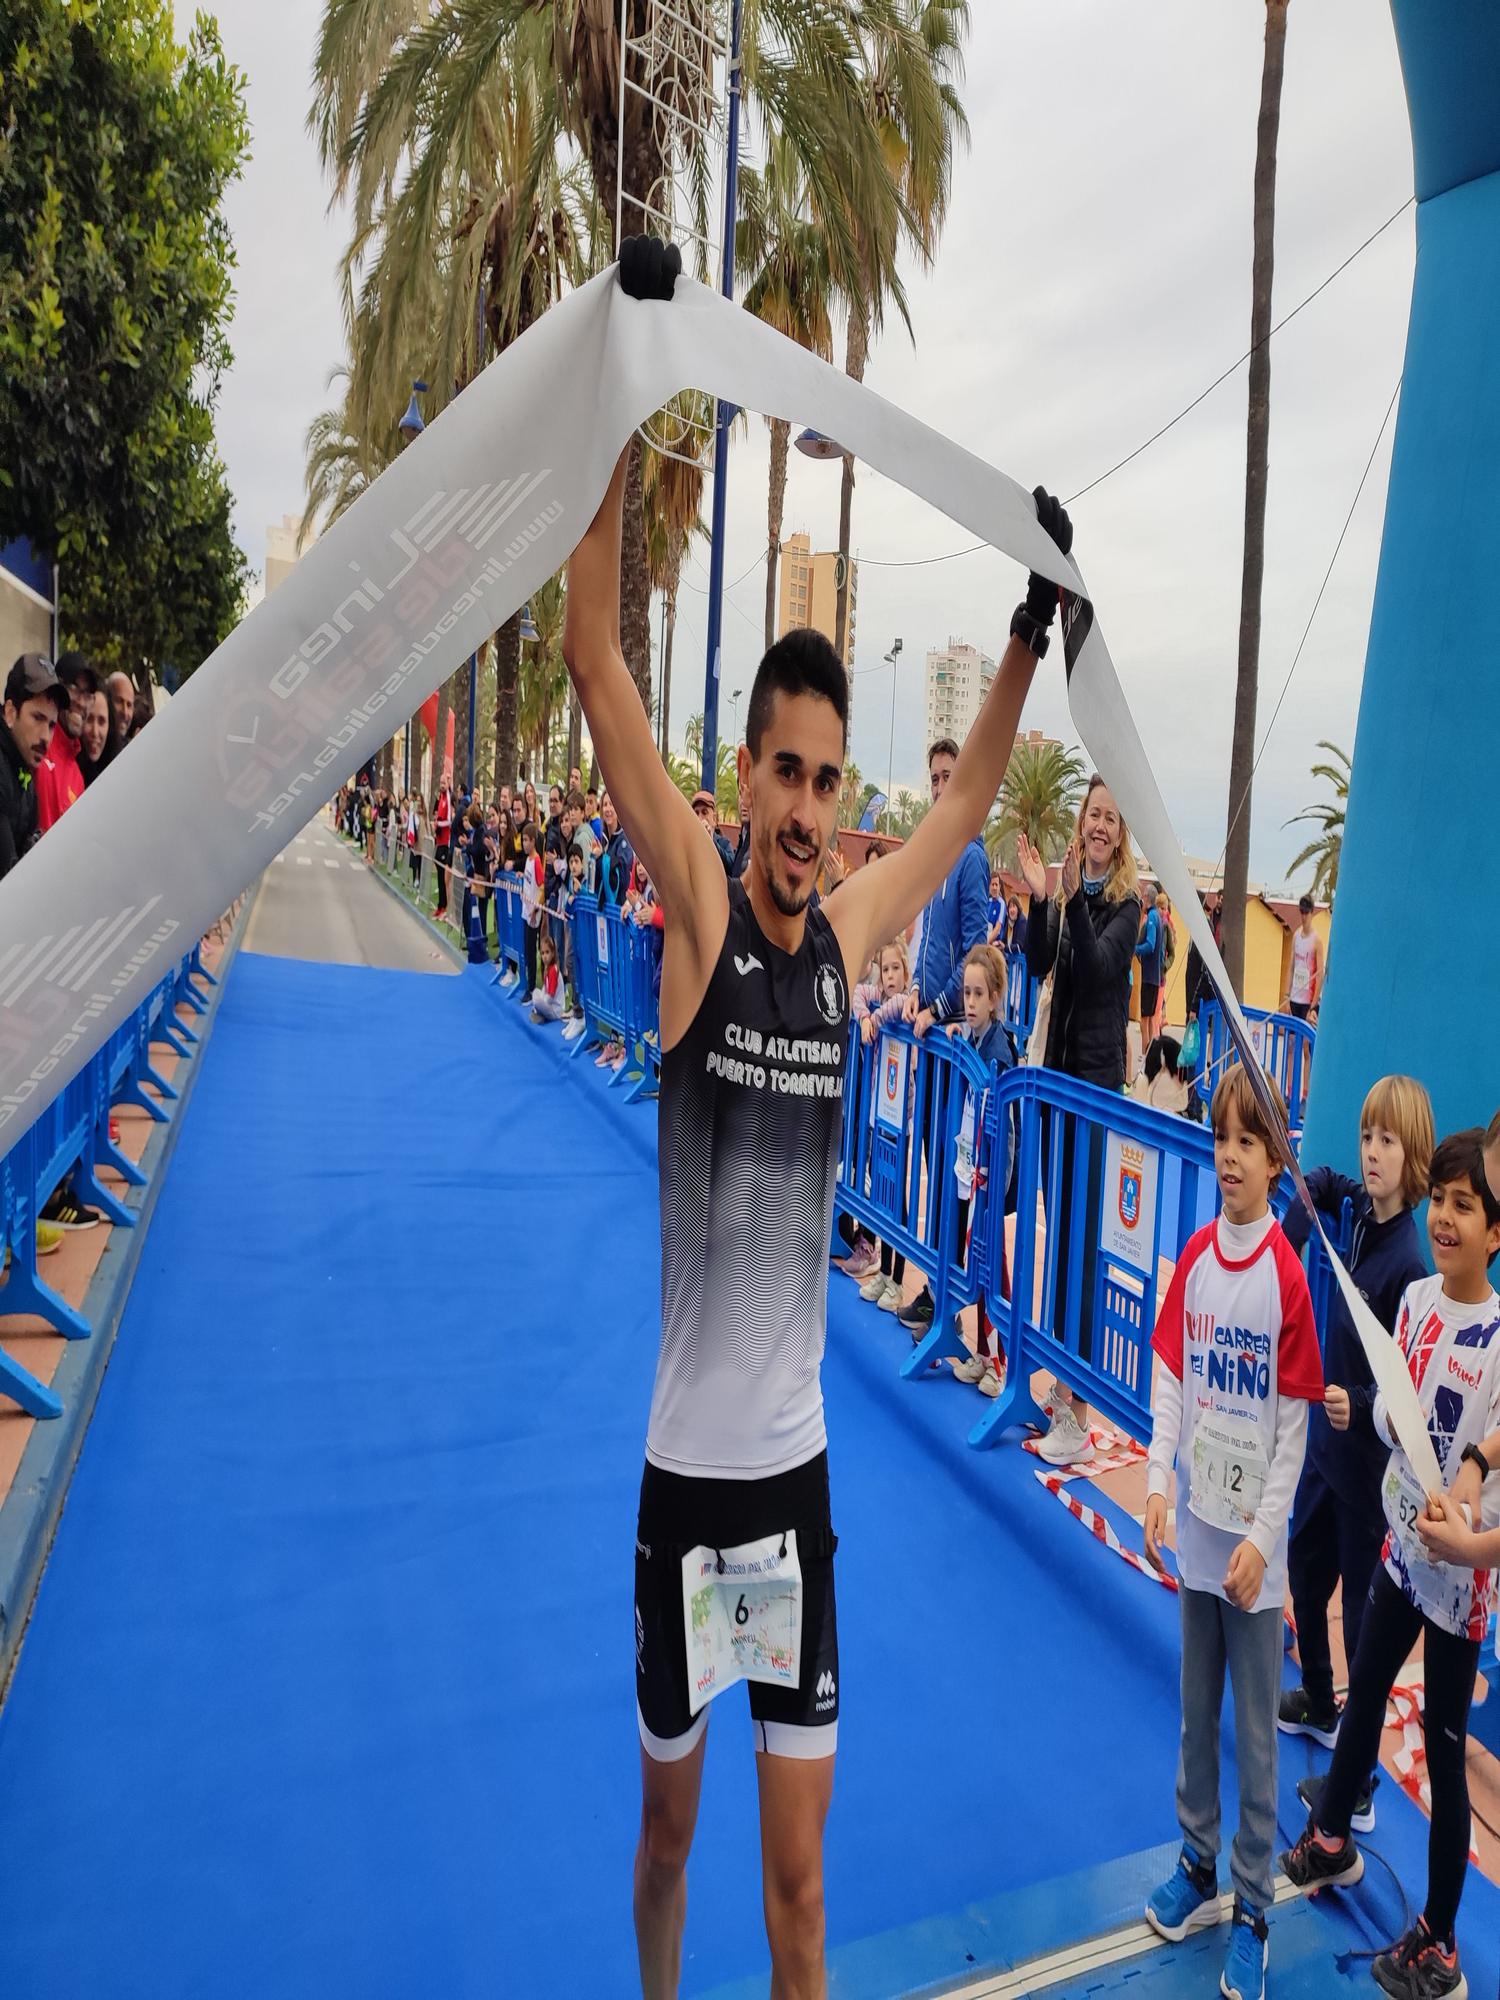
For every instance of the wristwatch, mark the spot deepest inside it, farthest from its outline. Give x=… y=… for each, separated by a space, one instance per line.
x=1472 y=1451
x=1028 y=628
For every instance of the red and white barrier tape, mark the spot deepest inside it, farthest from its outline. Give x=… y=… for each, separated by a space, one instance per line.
x=1100 y=1529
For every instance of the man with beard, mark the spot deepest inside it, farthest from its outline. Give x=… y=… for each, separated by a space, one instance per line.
x=34 y=698
x=755 y=990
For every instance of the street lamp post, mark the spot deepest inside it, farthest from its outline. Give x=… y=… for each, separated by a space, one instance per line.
x=411 y=426
x=735 y=699
x=890 y=786
x=724 y=416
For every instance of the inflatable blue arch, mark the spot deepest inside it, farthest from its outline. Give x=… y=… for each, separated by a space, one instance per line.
x=1414 y=956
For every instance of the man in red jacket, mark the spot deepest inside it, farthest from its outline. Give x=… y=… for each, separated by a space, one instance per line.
x=59 y=781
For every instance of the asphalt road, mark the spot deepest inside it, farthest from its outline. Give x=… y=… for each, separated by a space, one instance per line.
x=317 y=901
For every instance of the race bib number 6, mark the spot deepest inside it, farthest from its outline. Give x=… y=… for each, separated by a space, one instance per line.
x=742 y=1611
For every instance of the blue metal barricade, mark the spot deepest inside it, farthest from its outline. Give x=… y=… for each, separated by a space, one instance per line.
x=1021 y=991
x=903 y=1100
x=1285 y=1048
x=642 y=1069
x=510 y=928
x=70 y=1140
x=1107 y=1190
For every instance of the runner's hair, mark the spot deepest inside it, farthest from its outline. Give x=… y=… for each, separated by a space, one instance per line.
x=801 y=663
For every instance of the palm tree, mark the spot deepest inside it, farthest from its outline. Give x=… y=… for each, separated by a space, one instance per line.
x=784 y=251
x=1257 y=461
x=673 y=493
x=1038 y=797
x=913 y=64
x=907 y=811
x=544 y=684
x=465 y=222
x=342 y=462
x=1325 y=852
x=726 y=775
x=386 y=69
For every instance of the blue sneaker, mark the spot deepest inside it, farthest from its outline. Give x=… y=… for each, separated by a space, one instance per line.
x=1187 y=1901
x=1244 y=1974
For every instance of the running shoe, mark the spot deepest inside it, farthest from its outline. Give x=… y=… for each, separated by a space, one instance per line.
x=66 y=1211
x=1297 y=1716
x=1310 y=1866
x=1244 y=1974
x=1066 y=1442
x=574 y=1027
x=1362 y=1819
x=918 y=1315
x=1418 y=1968
x=892 y=1298
x=971 y=1368
x=861 y=1261
x=48 y=1239
x=991 y=1382
x=873 y=1288
x=1187 y=1901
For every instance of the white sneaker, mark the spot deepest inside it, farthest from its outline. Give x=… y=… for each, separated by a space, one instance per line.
x=990 y=1382
x=1059 y=1397
x=970 y=1369
x=874 y=1286
x=892 y=1299
x=575 y=1027
x=509 y=979
x=1066 y=1442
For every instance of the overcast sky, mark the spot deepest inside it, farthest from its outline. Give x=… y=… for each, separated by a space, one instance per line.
x=1093 y=278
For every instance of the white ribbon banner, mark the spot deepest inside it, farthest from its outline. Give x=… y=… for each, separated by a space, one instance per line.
x=453 y=538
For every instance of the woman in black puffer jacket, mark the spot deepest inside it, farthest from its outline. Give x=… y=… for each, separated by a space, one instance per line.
x=1086 y=939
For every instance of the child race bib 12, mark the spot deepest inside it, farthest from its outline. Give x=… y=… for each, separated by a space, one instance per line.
x=742 y=1612
x=1228 y=1473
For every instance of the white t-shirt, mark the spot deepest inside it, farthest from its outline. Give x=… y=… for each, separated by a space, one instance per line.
x=1304 y=966
x=1240 y=1363
x=1453 y=1353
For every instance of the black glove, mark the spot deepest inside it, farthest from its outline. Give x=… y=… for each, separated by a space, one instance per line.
x=1041 y=591
x=649 y=268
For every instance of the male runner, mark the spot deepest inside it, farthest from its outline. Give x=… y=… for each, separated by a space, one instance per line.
x=754 y=1018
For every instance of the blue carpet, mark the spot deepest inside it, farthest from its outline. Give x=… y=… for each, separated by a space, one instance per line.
x=328 y=1689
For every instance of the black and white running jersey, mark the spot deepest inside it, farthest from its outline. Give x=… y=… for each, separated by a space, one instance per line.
x=749 y=1125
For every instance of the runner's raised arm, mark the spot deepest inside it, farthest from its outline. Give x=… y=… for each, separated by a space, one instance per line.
x=684 y=867
x=879 y=903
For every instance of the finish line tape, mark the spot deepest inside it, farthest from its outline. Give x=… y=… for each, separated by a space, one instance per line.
x=452 y=539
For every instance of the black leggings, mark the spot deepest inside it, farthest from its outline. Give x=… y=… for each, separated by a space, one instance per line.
x=1390 y=1628
x=1332 y=1540
x=533 y=934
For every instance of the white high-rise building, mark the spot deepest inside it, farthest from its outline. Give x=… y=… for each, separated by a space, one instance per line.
x=958 y=679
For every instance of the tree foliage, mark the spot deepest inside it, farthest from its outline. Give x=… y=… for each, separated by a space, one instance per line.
x=116 y=146
x=1038 y=797
x=1326 y=851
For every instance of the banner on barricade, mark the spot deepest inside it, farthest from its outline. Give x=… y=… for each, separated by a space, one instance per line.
x=890 y=1088
x=1128 y=1228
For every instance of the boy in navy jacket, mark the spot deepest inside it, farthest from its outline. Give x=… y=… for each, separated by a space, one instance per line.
x=1338 y=1523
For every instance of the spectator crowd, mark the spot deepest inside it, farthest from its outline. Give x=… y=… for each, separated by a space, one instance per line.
x=64 y=725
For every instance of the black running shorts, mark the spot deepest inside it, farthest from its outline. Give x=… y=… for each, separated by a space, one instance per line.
x=678 y=1514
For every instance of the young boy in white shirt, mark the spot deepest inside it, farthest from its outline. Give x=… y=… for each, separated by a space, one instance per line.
x=1238 y=1366
x=1449 y=1334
